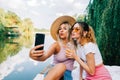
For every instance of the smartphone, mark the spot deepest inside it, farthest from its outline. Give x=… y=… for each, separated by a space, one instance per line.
x=39 y=39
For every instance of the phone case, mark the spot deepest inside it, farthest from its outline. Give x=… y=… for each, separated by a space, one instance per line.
x=39 y=39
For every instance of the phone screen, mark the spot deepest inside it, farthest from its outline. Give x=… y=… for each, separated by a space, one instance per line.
x=39 y=39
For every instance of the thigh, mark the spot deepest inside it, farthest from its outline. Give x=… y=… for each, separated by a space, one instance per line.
x=56 y=72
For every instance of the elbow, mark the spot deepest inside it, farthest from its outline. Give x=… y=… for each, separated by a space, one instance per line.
x=92 y=73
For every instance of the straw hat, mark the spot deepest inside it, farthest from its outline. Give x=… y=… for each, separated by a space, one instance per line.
x=55 y=25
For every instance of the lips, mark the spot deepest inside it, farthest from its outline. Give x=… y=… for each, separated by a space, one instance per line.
x=73 y=35
x=61 y=34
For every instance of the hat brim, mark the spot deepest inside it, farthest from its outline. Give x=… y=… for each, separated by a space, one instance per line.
x=55 y=25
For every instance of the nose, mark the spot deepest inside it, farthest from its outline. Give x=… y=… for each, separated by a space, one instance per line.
x=73 y=31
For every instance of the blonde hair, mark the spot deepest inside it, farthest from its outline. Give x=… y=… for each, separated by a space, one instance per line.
x=68 y=28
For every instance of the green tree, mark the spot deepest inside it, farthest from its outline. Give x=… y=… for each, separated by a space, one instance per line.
x=104 y=17
x=2 y=29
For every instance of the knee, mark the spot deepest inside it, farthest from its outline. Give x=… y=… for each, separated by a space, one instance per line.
x=56 y=72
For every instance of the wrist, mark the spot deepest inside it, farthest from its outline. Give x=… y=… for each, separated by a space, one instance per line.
x=76 y=57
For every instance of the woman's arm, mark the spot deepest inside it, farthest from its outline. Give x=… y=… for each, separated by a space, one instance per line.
x=90 y=66
x=41 y=55
x=81 y=73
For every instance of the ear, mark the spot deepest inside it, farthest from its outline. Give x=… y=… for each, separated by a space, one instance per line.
x=85 y=33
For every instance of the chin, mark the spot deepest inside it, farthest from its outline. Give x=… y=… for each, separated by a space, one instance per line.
x=73 y=37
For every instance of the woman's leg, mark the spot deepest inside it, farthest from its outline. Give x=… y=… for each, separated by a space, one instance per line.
x=56 y=72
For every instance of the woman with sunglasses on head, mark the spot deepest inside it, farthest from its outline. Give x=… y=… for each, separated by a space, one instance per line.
x=62 y=66
x=88 y=54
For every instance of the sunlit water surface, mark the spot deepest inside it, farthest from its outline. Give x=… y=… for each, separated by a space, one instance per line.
x=15 y=63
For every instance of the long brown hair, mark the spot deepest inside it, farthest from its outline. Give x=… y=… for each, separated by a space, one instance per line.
x=90 y=35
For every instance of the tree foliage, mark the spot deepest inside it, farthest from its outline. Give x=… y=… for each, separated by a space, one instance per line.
x=11 y=19
x=104 y=17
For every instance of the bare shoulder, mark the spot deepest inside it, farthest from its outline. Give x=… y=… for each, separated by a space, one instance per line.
x=56 y=47
x=56 y=44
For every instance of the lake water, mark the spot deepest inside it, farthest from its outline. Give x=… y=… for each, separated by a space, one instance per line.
x=15 y=63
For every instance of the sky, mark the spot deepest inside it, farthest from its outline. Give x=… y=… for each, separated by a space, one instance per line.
x=44 y=12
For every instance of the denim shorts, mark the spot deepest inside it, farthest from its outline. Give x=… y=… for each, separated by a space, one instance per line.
x=68 y=75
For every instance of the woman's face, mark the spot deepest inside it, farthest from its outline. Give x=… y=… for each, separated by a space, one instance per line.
x=63 y=31
x=76 y=31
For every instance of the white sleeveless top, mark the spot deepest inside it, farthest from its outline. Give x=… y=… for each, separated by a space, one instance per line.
x=90 y=48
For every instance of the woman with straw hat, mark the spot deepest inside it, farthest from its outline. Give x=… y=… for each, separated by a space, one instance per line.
x=62 y=66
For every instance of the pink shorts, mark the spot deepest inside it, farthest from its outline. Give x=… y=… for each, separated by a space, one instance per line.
x=101 y=73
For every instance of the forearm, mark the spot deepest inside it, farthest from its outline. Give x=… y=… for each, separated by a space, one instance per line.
x=42 y=58
x=83 y=65
x=81 y=72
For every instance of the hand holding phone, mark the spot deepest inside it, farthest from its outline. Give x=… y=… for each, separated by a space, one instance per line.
x=39 y=39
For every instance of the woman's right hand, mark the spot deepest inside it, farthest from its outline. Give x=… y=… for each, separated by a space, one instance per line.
x=36 y=53
x=70 y=54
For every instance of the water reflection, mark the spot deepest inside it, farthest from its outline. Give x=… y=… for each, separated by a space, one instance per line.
x=11 y=45
x=8 y=47
x=15 y=63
